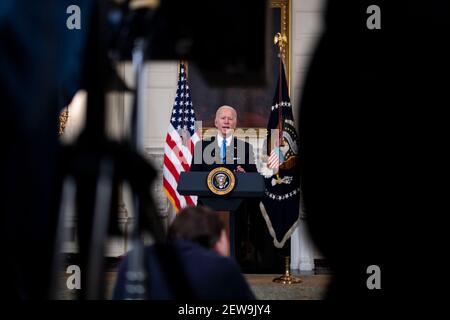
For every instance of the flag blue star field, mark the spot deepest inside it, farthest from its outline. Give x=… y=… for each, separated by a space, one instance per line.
x=280 y=205
x=180 y=140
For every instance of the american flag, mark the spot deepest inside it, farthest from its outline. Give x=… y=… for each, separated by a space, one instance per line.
x=180 y=141
x=274 y=159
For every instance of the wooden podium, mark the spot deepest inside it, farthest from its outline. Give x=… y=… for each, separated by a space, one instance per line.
x=247 y=185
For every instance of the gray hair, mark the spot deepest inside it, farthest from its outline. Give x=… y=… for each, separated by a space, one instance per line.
x=226 y=107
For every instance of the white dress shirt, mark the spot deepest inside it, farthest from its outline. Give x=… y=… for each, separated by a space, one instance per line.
x=220 y=140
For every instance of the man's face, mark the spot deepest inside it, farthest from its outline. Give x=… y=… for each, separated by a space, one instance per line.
x=225 y=121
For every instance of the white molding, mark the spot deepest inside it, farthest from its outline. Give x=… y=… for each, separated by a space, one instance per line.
x=307 y=25
x=308 y=5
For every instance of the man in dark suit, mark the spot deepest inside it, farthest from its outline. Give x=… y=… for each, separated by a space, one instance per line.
x=224 y=150
x=251 y=242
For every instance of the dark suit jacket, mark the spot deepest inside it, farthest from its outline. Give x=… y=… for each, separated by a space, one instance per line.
x=206 y=274
x=207 y=156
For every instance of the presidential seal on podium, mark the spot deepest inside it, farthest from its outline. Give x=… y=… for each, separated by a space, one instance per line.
x=221 y=181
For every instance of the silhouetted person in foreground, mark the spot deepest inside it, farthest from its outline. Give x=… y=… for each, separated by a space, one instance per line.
x=368 y=97
x=201 y=245
x=40 y=66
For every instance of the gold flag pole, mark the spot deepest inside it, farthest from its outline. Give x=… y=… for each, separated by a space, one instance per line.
x=286 y=278
x=280 y=40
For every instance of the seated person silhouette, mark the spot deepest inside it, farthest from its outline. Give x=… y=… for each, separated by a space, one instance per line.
x=200 y=263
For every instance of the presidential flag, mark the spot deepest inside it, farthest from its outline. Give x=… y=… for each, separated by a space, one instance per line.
x=280 y=205
x=180 y=141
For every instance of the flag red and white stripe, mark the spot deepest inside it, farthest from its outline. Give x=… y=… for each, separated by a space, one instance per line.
x=179 y=145
x=274 y=159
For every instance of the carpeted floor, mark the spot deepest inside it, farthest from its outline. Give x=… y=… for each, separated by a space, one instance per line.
x=312 y=287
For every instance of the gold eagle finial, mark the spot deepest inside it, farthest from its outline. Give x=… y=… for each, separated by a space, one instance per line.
x=280 y=40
